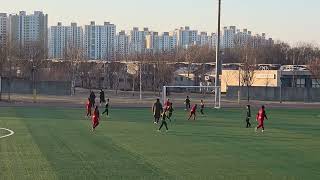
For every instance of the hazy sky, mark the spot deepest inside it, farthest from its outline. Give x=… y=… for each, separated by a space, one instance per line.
x=289 y=20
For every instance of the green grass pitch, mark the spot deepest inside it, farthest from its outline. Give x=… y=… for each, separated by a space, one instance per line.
x=52 y=143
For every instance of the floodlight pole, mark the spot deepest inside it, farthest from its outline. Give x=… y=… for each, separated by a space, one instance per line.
x=218 y=60
x=140 y=93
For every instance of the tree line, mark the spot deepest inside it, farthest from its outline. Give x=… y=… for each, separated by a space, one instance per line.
x=154 y=69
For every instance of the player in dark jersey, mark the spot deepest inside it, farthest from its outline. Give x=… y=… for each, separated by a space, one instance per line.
x=248 y=116
x=106 y=110
x=202 y=107
x=187 y=103
x=92 y=98
x=170 y=110
x=163 y=121
x=157 y=110
x=102 y=97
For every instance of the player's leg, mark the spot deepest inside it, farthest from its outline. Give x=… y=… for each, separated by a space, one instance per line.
x=161 y=126
x=194 y=116
x=259 y=126
x=104 y=111
x=165 y=124
x=94 y=124
x=190 y=116
x=97 y=124
x=247 y=120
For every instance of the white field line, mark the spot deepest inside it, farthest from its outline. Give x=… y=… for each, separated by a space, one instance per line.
x=10 y=133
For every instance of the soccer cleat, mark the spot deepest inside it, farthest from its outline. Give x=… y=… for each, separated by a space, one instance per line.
x=167 y=130
x=158 y=130
x=255 y=129
x=262 y=131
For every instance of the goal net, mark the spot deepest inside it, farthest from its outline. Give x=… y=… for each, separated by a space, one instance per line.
x=211 y=95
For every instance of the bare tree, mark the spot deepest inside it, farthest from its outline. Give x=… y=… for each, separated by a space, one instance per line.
x=36 y=54
x=248 y=56
x=116 y=71
x=3 y=61
x=165 y=70
x=314 y=68
x=8 y=59
x=192 y=54
x=75 y=55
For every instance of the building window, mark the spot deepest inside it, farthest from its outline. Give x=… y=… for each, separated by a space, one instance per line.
x=315 y=83
x=301 y=83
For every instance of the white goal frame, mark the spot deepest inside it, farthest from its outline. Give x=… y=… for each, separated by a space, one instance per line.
x=217 y=89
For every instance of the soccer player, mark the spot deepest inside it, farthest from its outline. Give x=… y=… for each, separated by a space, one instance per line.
x=170 y=110
x=92 y=98
x=193 y=112
x=88 y=107
x=163 y=121
x=95 y=118
x=248 y=116
x=106 y=110
x=102 y=97
x=157 y=111
x=260 y=118
x=187 y=102
x=202 y=107
x=167 y=104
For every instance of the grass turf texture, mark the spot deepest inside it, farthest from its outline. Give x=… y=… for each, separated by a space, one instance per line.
x=58 y=144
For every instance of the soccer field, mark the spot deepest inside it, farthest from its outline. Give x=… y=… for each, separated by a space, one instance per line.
x=52 y=143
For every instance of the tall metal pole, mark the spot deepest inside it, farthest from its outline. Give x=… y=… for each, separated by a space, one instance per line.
x=280 y=86
x=218 y=60
x=34 y=90
x=140 y=81
x=239 y=93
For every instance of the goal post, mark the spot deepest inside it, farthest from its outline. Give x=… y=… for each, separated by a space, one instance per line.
x=209 y=91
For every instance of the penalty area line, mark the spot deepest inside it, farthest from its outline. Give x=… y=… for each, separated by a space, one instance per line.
x=10 y=133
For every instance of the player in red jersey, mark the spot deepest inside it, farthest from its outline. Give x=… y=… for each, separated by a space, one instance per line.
x=88 y=107
x=95 y=118
x=193 y=112
x=261 y=116
x=167 y=105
